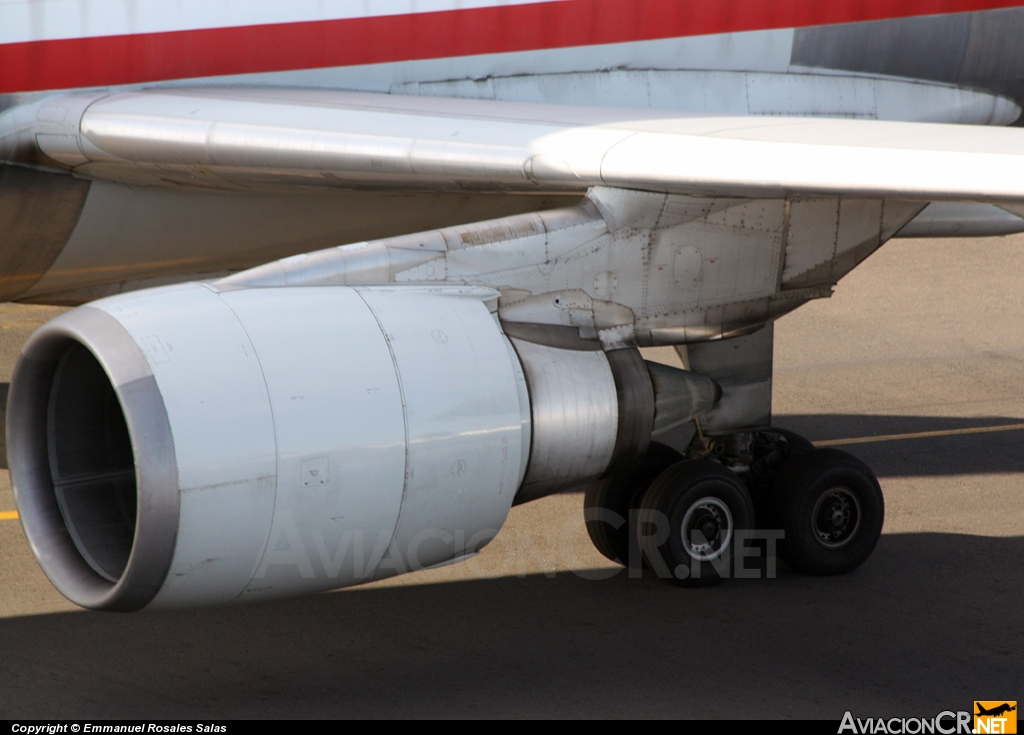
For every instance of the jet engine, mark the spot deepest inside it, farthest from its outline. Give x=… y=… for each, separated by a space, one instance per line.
x=200 y=445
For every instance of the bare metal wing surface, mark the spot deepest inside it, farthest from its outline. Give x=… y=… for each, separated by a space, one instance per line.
x=256 y=139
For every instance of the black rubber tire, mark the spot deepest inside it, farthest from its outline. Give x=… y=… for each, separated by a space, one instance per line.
x=841 y=535
x=664 y=507
x=607 y=502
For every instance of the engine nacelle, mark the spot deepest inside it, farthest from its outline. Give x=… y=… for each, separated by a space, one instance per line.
x=190 y=446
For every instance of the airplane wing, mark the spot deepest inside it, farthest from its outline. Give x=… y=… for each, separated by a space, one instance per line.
x=247 y=139
x=447 y=373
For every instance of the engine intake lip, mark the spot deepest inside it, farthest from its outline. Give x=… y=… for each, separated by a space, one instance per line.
x=149 y=430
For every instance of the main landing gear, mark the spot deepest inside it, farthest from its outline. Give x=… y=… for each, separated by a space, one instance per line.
x=687 y=517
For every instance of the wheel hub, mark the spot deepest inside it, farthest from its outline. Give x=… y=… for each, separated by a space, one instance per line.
x=707 y=529
x=836 y=517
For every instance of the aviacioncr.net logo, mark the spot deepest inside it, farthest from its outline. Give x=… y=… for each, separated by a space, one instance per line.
x=944 y=723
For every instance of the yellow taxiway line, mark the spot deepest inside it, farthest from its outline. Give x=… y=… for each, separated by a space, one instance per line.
x=919 y=435
x=12 y=515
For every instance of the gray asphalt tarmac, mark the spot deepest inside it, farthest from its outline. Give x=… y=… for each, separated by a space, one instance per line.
x=926 y=339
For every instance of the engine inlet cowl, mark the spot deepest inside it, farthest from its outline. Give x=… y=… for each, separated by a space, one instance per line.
x=88 y=437
x=186 y=446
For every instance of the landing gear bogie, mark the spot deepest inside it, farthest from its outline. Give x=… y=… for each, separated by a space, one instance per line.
x=683 y=515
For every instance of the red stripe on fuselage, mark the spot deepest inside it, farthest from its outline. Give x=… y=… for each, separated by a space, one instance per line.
x=131 y=59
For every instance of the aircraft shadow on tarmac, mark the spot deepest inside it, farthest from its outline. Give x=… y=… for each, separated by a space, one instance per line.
x=961 y=454
x=931 y=622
